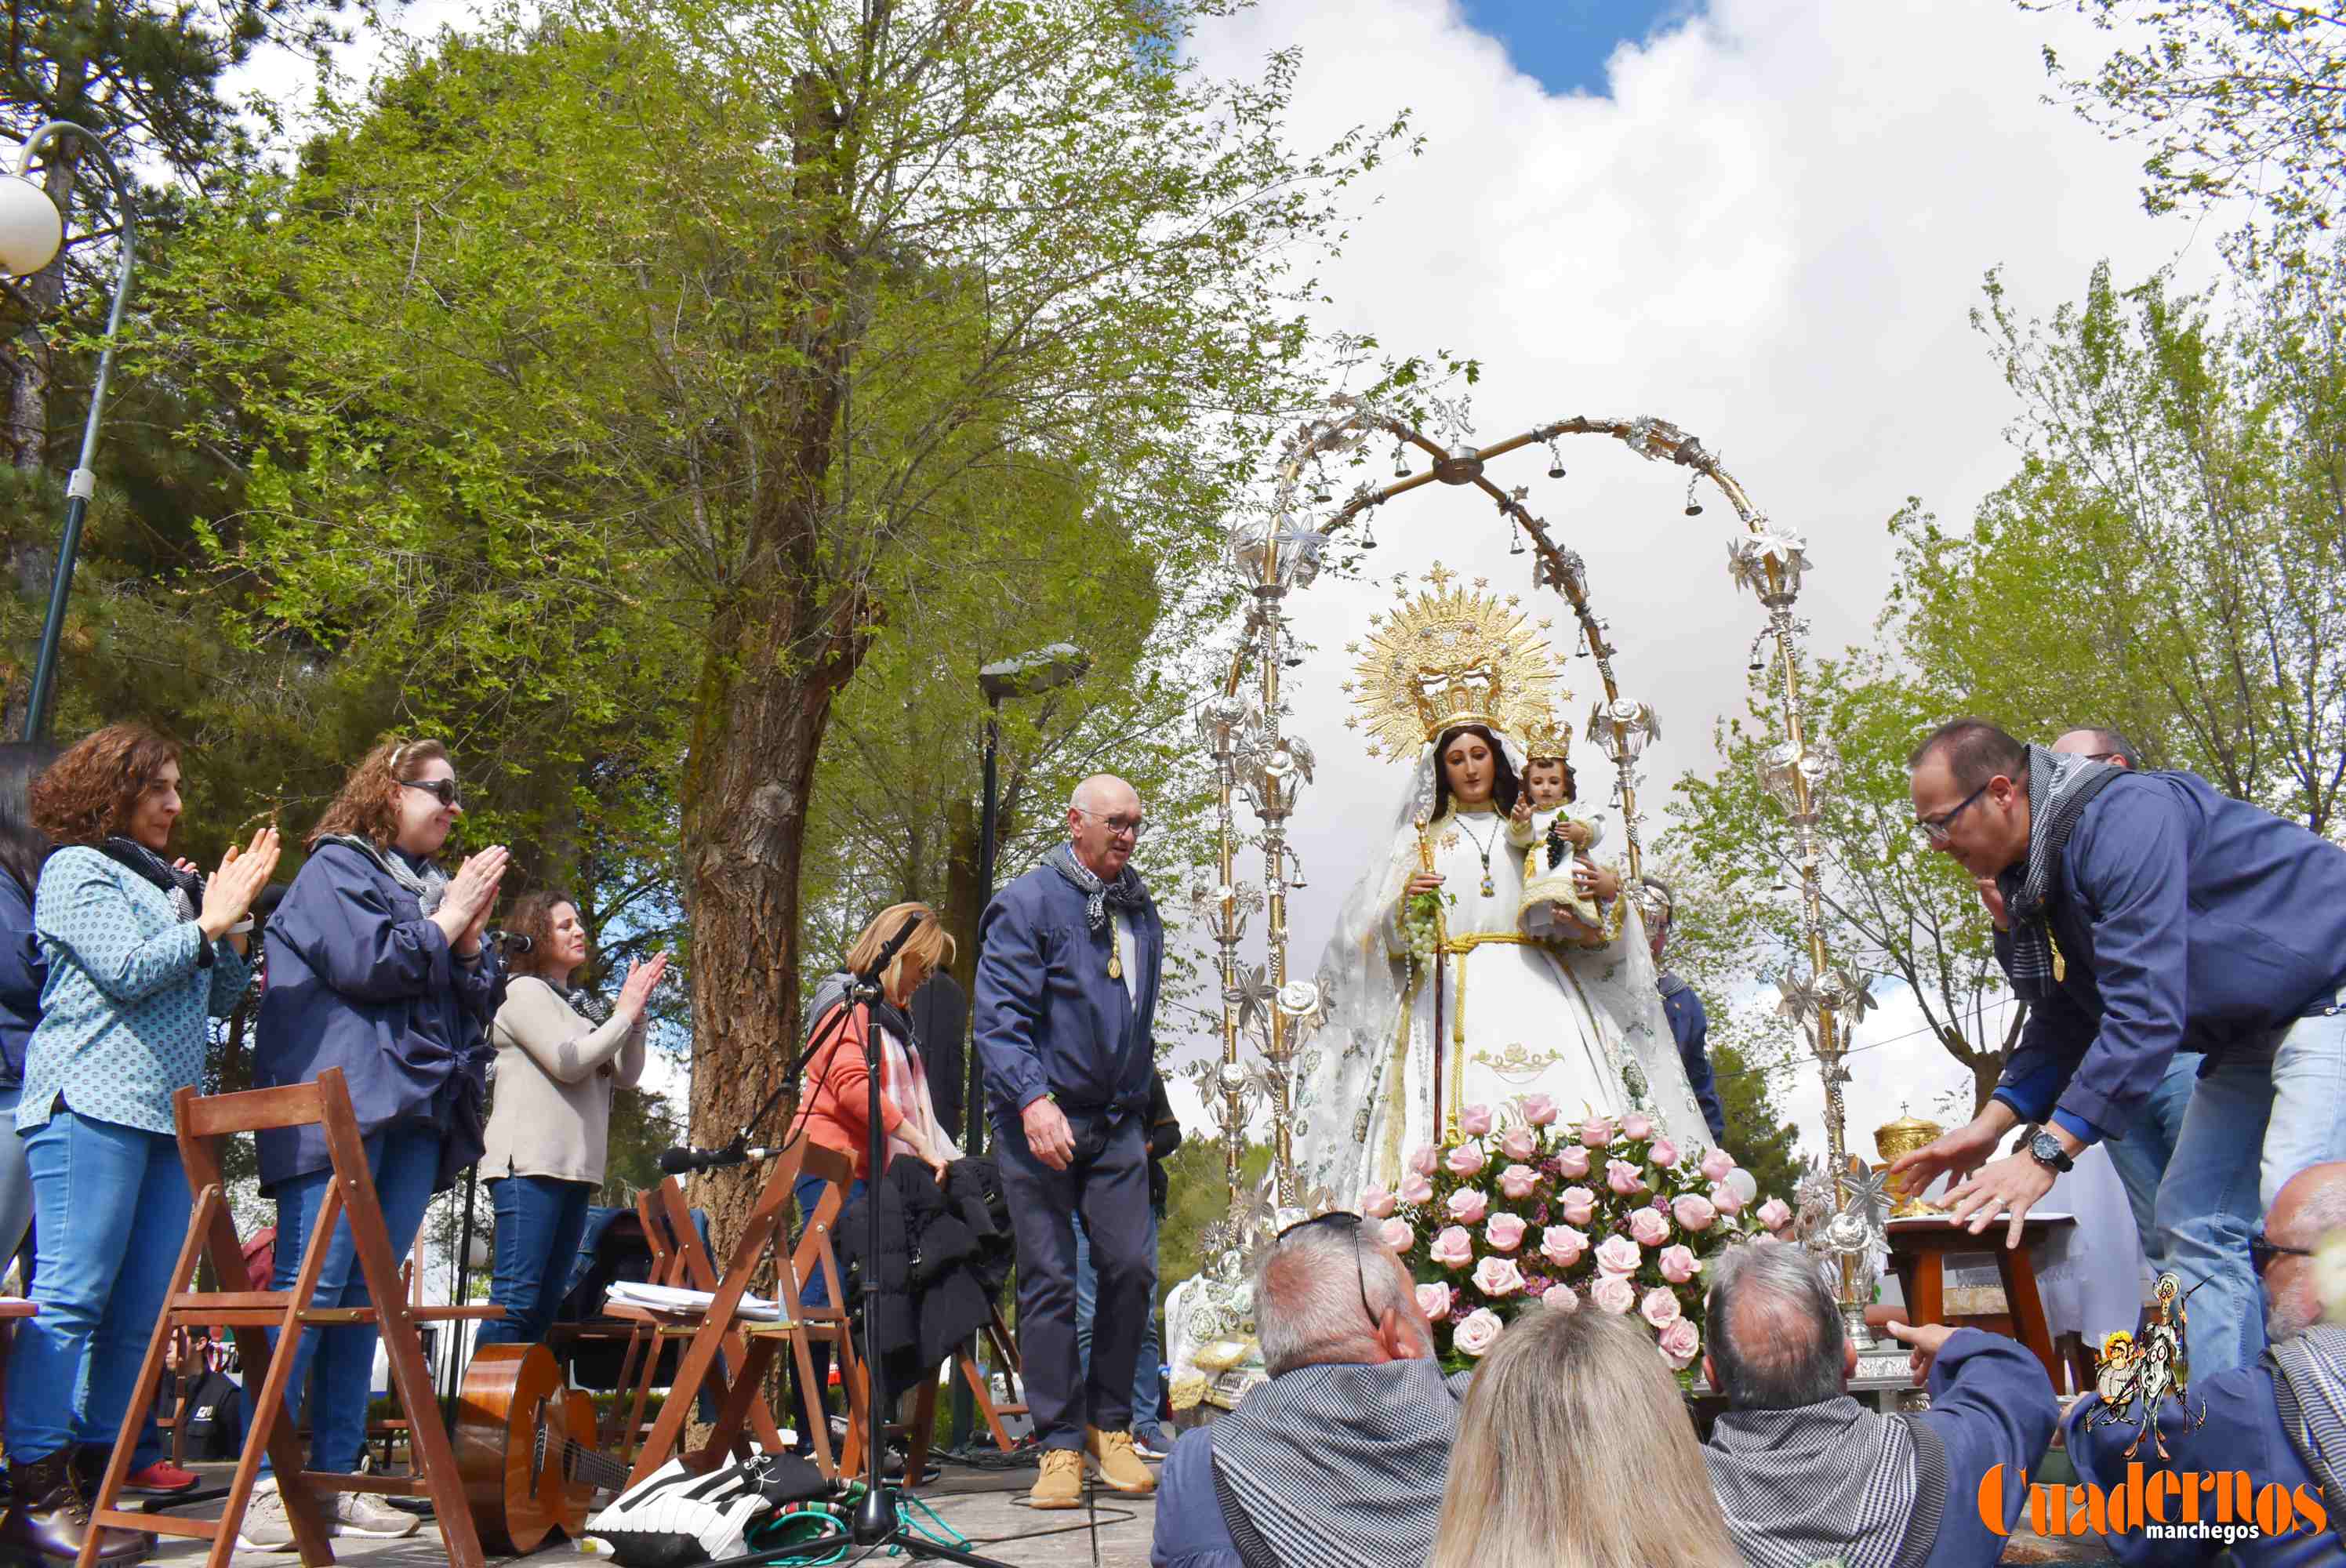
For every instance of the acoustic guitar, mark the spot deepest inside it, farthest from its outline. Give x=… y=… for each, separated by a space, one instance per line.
x=525 y=1471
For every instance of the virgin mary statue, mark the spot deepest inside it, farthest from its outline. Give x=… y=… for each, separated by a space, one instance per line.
x=1433 y=996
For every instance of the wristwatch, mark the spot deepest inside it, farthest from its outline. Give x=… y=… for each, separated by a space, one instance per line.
x=2046 y=1151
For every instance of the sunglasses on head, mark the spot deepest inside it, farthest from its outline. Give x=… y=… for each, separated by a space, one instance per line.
x=2262 y=1251
x=440 y=789
x=1350 y=1223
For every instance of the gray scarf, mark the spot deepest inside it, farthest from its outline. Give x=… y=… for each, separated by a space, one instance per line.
x=1828 y=1482
x=2310 y=1391
x=429 y=885
x=1127 y=893
x=1337 y=1466
x=2058 y=787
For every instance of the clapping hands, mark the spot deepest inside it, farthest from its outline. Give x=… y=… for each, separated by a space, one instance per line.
x=229 y=892
x=642 y=976
x=471 y=894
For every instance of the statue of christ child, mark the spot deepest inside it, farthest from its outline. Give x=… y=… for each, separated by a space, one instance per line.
x=1564 y=891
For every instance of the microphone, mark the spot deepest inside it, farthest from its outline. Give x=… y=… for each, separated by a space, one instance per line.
x=682 y=1161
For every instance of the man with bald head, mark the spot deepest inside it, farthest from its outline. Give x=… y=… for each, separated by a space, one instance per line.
x=1341 y=1457
x=2281 y=1418
x=1069 y=957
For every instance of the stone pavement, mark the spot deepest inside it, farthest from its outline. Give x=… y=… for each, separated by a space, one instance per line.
x=985 y=1505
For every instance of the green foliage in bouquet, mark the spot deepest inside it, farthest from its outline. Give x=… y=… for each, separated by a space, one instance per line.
x=1523 y=1212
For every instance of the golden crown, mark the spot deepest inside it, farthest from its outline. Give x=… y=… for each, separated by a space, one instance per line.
x=1547 y=735
x=1448 y=657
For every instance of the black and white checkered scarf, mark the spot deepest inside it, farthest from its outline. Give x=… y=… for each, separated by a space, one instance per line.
x=1828 y=1482
x=1127 y=893
x=2058 y=787
x=1337 y=1466
x=2309 y=1392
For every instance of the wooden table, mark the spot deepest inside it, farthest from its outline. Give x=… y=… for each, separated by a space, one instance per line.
x=1918 y=1251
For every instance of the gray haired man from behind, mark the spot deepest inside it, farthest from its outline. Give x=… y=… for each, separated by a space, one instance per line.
x=1804 y=1473
x=1339 y=1461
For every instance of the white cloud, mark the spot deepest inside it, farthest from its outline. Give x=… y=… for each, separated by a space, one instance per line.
x=1771 y=231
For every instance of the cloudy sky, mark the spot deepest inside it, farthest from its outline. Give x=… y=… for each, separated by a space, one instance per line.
x=1767 y=220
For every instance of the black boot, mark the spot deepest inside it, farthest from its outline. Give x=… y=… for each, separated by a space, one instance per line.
x=49 y=1520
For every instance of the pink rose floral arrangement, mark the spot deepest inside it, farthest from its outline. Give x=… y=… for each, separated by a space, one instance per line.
x=1527 y=1212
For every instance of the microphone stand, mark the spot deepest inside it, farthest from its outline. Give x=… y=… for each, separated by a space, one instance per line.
x=875 y=1523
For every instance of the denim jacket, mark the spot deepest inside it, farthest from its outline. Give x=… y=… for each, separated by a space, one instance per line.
x=123 y=1013
x=1049 y=1018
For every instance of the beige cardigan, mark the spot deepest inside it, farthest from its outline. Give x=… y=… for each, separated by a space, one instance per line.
x=551 y=1115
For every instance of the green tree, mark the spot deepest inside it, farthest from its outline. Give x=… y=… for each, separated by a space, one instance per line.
x=2171 y=556
x=567 y=418
x=1758 y=1137
x=1198 y=1195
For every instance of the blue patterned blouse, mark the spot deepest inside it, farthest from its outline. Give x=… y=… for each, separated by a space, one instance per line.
x=123 y=1014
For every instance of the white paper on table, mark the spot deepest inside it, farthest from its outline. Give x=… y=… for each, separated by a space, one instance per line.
x=674 y=1298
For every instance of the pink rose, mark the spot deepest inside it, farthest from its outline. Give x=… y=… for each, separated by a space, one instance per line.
x=1467 y=1204
x=1613 y=1294
x=1637 y=1128
x=1726 y=1199
x=1518 y=1181
x=1562 y=1245
x=1619 y=1254
x=1497 y=1277
x=1679 y=1263
x=1681 y=1344
x=1397 y=1234
x=1648 y=1228
x=1624 y=1177
x=1518 y=1144
x=1475 y=1331
x=1425 y=1161
x=1376 y=1203
x=1415 y=1189
x=1572 y=1162
x=1434 y=1300
x=1775 y=1213
x=1578 y=1204
x=1452 y=1250
x=1474 y=1121
x=1660 y=1307
x=1597 y=1131
x=1694 y=1212
x=1664 y=1153
x=1715 y=1164
x=1563 y=1297
x=1539 y=1110
x=1466 y=1160
x=1506 y=1232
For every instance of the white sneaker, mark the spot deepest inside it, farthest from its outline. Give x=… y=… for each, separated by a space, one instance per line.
x=265 y=1527
x=359 y=1513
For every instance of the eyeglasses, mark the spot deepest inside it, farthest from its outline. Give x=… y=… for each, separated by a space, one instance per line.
x=1934 y=830
x=1350 y=1222
x=2261 y=1252
x=440 y=789
x=1118 y=827
x=2105 y=756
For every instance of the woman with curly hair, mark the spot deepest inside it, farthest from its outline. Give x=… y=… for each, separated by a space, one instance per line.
x=550 y=1127
x=375 y=966
x=140 y=953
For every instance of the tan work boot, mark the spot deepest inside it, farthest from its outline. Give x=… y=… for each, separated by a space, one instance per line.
x=1119 y=1468
x=1061 y=1484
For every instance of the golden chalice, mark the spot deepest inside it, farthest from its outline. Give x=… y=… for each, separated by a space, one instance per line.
x=1898 y=1139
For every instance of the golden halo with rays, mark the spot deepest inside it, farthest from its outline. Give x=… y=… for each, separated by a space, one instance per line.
x=1450 y=656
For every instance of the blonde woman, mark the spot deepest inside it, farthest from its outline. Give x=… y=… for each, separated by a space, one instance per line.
x=1574 y=1451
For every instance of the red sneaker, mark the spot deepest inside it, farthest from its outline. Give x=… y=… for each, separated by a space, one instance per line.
x=160 y=1478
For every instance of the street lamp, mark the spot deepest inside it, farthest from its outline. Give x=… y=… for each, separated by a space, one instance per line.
x=1045 y=669
x=31 y=230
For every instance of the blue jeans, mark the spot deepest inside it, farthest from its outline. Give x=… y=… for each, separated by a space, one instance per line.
x=539 y=1222
x=1147 y=1376
x=404 y=1162
x=2207 y=1208
x=2142 y=1156
x=111 y=1208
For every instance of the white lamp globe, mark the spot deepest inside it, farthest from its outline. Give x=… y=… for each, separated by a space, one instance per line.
x=30 y=229
x=1746 y=1186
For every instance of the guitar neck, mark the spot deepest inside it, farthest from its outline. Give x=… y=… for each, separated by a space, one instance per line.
x=597 y=1469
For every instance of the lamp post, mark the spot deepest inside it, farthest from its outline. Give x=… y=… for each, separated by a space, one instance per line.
x=1045 y=669
x=31 y=230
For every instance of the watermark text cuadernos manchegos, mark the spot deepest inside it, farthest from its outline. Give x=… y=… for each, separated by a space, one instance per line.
x=2175 y=1505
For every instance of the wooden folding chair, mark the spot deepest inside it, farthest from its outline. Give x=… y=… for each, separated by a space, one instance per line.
x=203 y=1122
x=640 y=1365
x=1005 y=1354
x=721 y=1332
